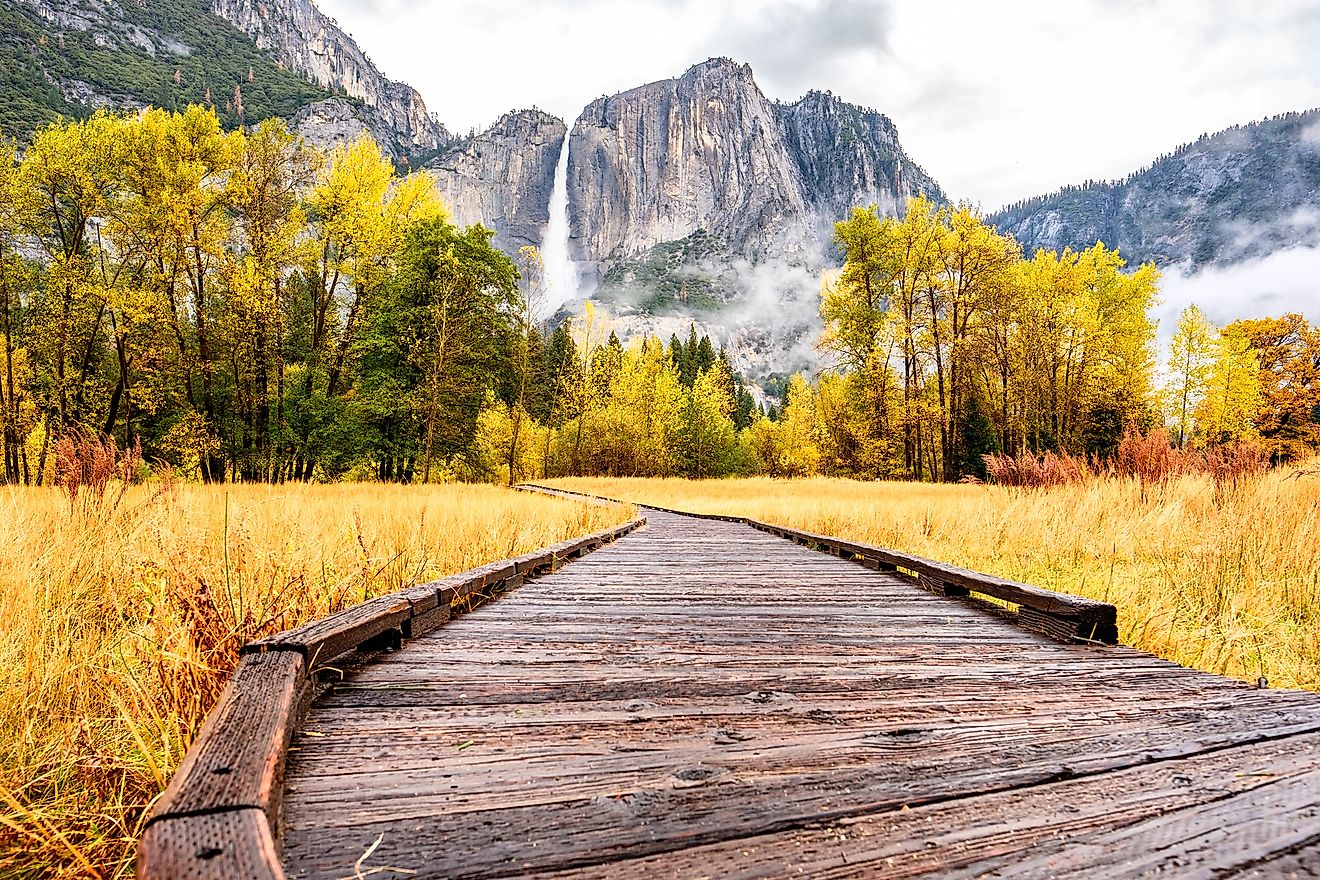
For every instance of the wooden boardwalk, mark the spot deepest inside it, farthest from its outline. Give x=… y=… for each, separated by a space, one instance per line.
x=702 y=699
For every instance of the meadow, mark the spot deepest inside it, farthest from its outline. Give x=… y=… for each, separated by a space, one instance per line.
x=121 y=617
x=122 y=613
x=1225 y=579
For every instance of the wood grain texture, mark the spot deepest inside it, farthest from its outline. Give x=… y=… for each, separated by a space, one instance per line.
x=321 y=641
x=1058 y=615
x=1302 y=863
x=703 y=699
x=1039 y=831
x=219 y=846
x=237 y=758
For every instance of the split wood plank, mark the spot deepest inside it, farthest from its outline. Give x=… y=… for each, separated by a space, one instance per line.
x=237 y=759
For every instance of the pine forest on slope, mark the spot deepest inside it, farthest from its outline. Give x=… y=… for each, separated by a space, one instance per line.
x=1231 y=196
x=67 y=59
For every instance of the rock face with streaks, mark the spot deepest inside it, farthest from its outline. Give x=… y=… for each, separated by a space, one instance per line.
x=846 y=156
x=698 y=169
x=335 y=121
x=708 y=151
x=704 y=151
x=301 y=37
x=693 y=199
x=502 y=177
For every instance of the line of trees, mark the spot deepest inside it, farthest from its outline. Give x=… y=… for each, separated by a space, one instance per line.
x=949 y=344
x=1256 y=379
x=245 y=308
x=588 y=404
x=239 y=305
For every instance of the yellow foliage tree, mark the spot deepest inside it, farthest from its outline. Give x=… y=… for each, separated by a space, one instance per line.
x=1233 y=392
x=1191 y=358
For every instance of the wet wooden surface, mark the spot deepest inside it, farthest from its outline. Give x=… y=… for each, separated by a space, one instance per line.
x=701 y=699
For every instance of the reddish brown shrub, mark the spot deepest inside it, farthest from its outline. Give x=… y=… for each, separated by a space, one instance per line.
x=1149 y=458
x=86 y=464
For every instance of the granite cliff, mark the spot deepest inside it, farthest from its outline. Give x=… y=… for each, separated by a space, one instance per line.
x=502 y=177
x=693 y=199
x=846 y=156
x=708 y=154
x=703 y=151
x=302 y=38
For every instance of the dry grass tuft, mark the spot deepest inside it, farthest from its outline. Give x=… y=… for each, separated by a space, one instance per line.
x=1212 y=570
x=120 y=628
x=86 y=465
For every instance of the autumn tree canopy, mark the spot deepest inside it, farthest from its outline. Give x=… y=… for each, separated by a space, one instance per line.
x=244 y=307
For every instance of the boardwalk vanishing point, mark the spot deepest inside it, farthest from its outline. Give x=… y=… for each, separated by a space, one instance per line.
x=701 y=698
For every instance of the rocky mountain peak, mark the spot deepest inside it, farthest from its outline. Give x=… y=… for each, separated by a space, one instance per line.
x=847 y=155
x=1235 y=195
x=533 y=121
x=718 y=67
x=302 y=38
x=658 y=162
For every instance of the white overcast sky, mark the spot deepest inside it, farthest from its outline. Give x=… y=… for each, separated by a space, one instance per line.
x=997 y=100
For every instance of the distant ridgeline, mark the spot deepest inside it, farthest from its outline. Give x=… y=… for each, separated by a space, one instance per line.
x=1240 y=193
x=71 y=59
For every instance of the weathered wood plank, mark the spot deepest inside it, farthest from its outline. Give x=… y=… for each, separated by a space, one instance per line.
x=321 y=641
x=216 y=815
x=1298 y=864
x=622 y=824
x=216 y=846
x=237 y=759
x=986 y=836
x=700 y=690
x=1278 y=813
x=427 y=621
x=1059 y=615
x=785 y=775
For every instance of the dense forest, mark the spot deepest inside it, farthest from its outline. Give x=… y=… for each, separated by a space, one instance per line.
x=952 y=346
x=243 y=308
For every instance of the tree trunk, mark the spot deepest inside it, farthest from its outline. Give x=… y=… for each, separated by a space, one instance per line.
x=213 y=467
x=11 y=398
x=45 y=448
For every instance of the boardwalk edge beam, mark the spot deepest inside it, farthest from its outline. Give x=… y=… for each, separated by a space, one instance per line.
x=219 y=817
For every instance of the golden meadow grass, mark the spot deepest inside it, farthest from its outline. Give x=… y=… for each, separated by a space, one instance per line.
x=119 y=626
x=1227 y=582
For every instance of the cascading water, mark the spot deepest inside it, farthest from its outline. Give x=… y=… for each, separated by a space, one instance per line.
x=561 y=274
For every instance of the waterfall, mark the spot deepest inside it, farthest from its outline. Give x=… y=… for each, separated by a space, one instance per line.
x=561 y=274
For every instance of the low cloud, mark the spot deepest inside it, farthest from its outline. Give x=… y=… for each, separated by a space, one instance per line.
x=1284 y=281
x=1311 y=134
x=769 y=319
x=1298 y=228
